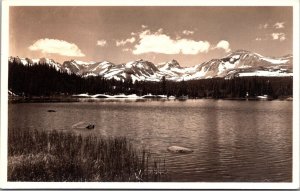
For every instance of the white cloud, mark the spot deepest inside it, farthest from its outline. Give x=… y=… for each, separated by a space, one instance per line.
x=278 y=36
x=187 y=32
x=55 y=46
x=177 y=37
x=123 y=42
x=223 y=44
x=279 y=25
x=144 y=26
x=101 y=42
x=272 y=36
x=263 y=26
x=161 y=43
x=263 y=37
x=126 y=49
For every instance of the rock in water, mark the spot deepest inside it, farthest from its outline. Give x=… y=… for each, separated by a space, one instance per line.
x=90 y=126
x=178 y=149
x=83 y=125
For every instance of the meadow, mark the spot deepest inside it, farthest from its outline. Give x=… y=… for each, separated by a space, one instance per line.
x=57 y=156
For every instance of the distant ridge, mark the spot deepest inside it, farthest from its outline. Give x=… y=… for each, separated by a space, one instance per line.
x=235 y=64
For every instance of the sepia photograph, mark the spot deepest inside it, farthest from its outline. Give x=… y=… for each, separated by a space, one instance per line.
x=172 y=95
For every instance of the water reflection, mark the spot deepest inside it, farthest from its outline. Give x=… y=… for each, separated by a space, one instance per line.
x=232 y=140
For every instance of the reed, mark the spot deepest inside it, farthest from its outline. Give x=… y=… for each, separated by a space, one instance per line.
x=64 y=156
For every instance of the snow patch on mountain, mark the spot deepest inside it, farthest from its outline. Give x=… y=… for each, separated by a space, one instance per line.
x=277 y=73
x=275 y=61
x=28 y=61
x=237 y=63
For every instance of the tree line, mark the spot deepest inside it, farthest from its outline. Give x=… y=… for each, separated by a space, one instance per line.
x=44 y=80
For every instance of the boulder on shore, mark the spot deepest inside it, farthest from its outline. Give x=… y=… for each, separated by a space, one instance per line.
x=178 y=149
x=90 y=126
x=83 y=125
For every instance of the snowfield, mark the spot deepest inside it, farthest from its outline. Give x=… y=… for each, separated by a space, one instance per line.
x=266 y=73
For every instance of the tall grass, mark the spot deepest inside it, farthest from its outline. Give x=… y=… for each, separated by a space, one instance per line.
x=64 y=156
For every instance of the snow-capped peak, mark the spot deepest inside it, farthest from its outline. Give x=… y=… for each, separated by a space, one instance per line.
x=169 y=65
x=82 y=62
x=105 y=62
x=236 y=63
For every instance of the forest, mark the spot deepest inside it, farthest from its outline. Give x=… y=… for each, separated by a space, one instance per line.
x=43 y=80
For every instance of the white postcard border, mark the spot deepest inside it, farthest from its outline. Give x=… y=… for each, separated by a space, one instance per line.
x=136 y=185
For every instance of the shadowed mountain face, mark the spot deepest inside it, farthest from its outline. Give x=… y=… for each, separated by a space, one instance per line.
x=238 y=63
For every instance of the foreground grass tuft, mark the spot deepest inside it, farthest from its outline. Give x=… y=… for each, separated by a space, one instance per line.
x=63 y=156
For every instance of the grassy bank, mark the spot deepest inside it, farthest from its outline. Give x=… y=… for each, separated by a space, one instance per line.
x=63 y=156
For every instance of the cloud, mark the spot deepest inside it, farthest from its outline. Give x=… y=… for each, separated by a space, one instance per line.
x=160 y=31
x=144 y=26
x=55 y=46
x=279 y=25
x=268 y=32
x=123 y=42
x=101 y=42
x=278 y=36
x=223 y=44
x=161 y=43
x=263 y=26
x=187 y=32
x=177 y=37
x=263 y=37
x=126 y=49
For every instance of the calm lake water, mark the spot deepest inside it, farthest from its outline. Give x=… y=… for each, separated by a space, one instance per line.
x=248 y=141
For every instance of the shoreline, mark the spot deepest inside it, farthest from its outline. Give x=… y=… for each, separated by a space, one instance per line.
x=91 y=98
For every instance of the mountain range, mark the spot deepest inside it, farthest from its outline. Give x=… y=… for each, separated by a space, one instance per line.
x=236 y=64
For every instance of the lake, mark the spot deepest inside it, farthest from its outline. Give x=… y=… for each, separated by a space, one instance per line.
x=233 y=141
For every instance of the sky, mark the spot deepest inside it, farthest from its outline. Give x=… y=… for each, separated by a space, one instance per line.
x=190 y=35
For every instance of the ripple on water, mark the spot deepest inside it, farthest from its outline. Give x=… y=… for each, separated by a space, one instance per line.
x=232 y=140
